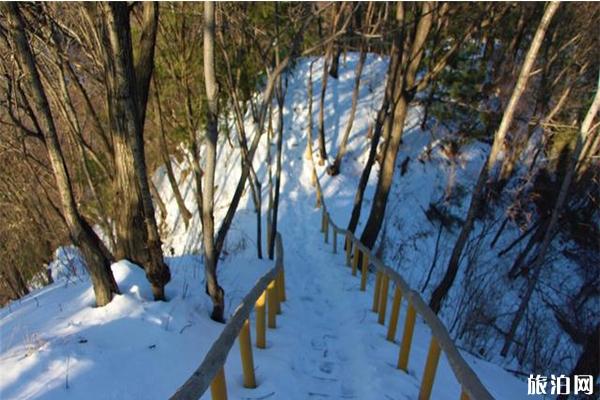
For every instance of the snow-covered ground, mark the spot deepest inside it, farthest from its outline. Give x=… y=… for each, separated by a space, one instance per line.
x=54 y=345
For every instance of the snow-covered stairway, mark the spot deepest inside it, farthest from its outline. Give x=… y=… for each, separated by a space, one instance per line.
x=334 y=347
x=328 y=343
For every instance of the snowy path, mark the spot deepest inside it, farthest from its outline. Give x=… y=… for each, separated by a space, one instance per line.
x=327 y=343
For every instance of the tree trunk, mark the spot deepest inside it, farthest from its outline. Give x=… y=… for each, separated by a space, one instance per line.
x=270 y=178
x=499 y=144
x=67 y=108
x=125 y=111
x=280 y=100
x=18 y=282
x=265 y=106
x=213 y=289
x=447 y=281
x=334 y=169
x=538 y=235
x=144 y=64
x=195 y=148
x=552 y=225
x=166 y=159
x=405 y=93
x=131 y=234
x=322 y=144
x=308 y=153
x=158 y=200
x=97 y=256
x=335 y=62
x=380 y=121
x=255 y=185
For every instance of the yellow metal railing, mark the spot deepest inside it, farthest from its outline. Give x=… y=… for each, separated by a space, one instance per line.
x=355 y=250
x=266 y=297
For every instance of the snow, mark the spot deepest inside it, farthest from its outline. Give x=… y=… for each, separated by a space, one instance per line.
x=328 y=344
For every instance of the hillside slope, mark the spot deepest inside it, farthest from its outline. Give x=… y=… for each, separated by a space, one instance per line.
x=53 y=344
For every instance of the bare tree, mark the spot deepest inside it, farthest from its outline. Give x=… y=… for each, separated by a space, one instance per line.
x=126 y=113
x=337 y=13
x=413 y=49
x=208 y=223
x=98 y=257
x=400 y=103
x=443 y=287
x=280 y=102
x=166 y=159
x=536 y=267
x=334 y=169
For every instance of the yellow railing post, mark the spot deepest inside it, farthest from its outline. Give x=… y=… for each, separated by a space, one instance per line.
x=323 y=220
x=355 y=260
x=375 y=306
x=272 y=305
x=326 y=233
x=218 y=388
x=409 y=328
x=246 y=355
x=383 y=296
x=433 y=358
x=348 y=249
x=364 y=272
x=261 y=334
x=391 y=334
x=281 y=276
x=464 y=395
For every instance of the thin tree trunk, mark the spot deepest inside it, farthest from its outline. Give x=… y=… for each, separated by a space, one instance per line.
x=335 y=62
x=68 y=110
x=166 y=159
x=195 y=149
x=9 y=285
x=255 y=184
x=322 y=144
x=334 y=169
x=144 y=64
x=126 y=115
x=280 y=100
x=447 y=281
x=382 y=116
x=499 y=144
x=536 y=266
x=266 y=100
x=270 y=178
x=386 y=174
x=308 y=153
x=19 y=284
x=97 y=256
x=158 y=200
x=518 y=240
x=522 y=256
x=213 y=289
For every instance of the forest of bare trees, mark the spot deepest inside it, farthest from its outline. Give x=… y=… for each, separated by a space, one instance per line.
x=97 y=96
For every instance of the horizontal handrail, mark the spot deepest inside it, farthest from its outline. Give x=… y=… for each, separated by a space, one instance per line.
x=467 y=378
x=214 y=360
